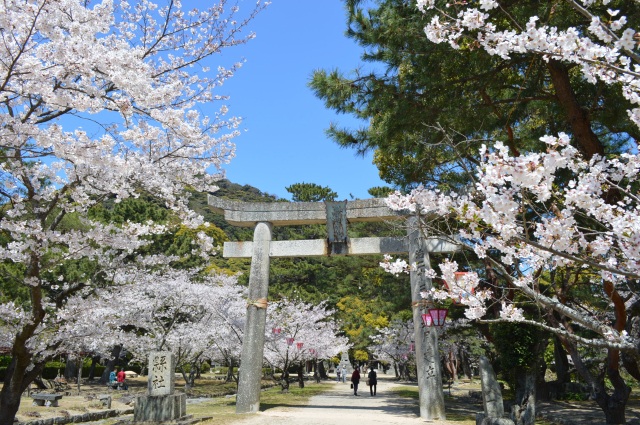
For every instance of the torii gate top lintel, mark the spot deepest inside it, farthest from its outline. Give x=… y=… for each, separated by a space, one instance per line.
x=247 y=214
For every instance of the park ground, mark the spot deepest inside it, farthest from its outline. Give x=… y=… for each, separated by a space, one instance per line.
x=326 y=403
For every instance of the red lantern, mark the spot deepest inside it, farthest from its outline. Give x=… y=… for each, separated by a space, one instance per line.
x=289 y=341
x=426 y=318
x=276 y=331
x=299 y=345
x=438 y=316
x=412 y=347
x=457 y=277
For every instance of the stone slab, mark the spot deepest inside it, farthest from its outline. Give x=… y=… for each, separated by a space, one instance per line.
x=161 y=373
x=162 y=408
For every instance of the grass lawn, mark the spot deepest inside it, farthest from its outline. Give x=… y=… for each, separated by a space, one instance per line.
x=223 y=409
x=461 y=410
x=216 y=405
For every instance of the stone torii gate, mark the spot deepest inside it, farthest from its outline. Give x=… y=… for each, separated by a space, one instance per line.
x=264 y=215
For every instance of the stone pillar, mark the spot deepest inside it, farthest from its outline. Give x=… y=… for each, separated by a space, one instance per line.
x=344 y=361
x=160 y=404
x=161 y=379
x=491 y=392
x=248 y=398
x=426 y=339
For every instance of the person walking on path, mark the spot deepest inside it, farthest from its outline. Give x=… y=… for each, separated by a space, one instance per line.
x=355 y=380
x=344 y=374
x=372 y=381
x=338 y=373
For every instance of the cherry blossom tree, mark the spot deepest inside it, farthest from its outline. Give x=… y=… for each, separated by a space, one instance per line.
x=192 y=316
x=550 y=224
x=533 y=227
x=100 y=99
x=394 y=344
x=304 y=332
x=176 y=311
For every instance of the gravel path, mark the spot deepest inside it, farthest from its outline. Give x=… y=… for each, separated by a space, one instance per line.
x=339 y=406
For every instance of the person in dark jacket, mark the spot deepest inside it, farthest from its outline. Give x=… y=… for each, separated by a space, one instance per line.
x=373 y=381
x=355 y=380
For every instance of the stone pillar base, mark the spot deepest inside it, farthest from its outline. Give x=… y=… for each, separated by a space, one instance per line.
x=160 y=408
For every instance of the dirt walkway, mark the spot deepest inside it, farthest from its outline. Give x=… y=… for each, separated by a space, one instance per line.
x=339 y=406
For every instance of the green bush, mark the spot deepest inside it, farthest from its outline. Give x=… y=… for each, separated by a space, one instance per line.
x=52 y=369
x=97 y=372
x=4 y=361
x=205 y=368
x=134 y=367
x=50 y=372
x=225 y=369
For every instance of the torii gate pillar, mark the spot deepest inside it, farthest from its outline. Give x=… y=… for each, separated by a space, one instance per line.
x=250 y=376
x=426 y=338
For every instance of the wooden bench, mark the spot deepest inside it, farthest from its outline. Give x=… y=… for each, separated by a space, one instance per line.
x=42 y=399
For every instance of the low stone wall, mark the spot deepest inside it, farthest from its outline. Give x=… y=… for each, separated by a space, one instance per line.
x=85 y=417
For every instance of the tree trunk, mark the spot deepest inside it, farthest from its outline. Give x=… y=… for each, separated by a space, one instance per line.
x=229 y=377
x=70 y=369
x=466 y=364
x=193 y=372
x=92 y=369
x=115 y=355
x=301 y=375
x=562 y=363
x=576 y=116
x=451 y=364
x=79 y=372
x=613 y=405
x=284 y=380
x=524 y=411
x=16 y=380
x=20 y=372
x=323 y=371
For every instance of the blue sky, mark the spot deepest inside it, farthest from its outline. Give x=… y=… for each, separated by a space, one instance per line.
x=283 y=141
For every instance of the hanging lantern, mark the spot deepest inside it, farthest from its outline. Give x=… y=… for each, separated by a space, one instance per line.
x=276 y=331
x=438 y=316
x=426 y=318
x=290 y=341
x=312 y=351
x=299 y=345
x=458 y=276
x=412 y=347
